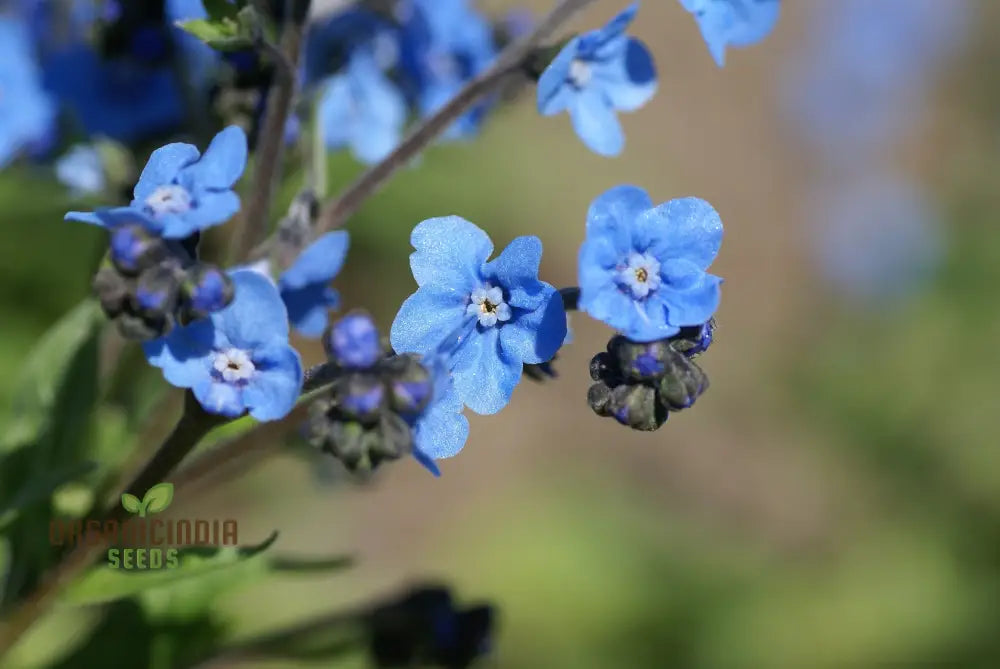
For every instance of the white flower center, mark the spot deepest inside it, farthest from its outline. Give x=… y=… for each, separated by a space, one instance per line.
x=488 y=305
x=640 y=274
x=579 y=73
x=169 y=199
x=234 y=365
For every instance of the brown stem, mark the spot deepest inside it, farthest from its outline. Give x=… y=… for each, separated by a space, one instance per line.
x=271 y=143
x=194 y=424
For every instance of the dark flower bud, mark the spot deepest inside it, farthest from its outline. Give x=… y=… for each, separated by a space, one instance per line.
x=206 y=289
x=682 y=384
x=640 y=361
x=353 y=341
x=112 y=289
x=694 y=340
x=411 y=386
x=144 y=327
x=602 y=367
x=361 y=397
x=473 y=637
x=599 y=398
x=133 y=249
x=156 y=291
x=635 y=406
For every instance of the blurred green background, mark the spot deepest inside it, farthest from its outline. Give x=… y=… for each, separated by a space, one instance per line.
x=832 y=501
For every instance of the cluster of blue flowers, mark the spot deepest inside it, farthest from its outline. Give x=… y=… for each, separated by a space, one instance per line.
x=465 y=338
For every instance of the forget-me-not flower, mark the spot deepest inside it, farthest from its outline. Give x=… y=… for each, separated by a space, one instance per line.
x=642 y=267
x=81 y=169
x=361 y=108
x=593 y=76
x=238 y=359
x=185 y=191
x=27 y=113
x=305 y=285
x=517 y=319
x=734 y=23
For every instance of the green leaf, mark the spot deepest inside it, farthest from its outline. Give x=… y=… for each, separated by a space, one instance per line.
x=225 y=34
x=40 y=488
x=44 y=373
x=131 y=503
x=105 y=584
x=157 y=498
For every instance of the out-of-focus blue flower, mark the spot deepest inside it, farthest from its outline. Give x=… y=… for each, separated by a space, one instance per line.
x=185 y=191
x=444 y=44
x=27 y=113
x=596 y=74
x=877 y=238
x=865 y=68
x=81 y=170
x=198 y=58
x=238 y=359
x=119 y=98
x=733 y=22
x=642 y=267
x=362 y=109
x=331 y=42
x=517 y=318
x=305 y=286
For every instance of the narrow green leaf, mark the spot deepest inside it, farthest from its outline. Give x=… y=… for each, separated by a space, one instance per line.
x=302 y=565
x=105 y=583
x=223 y=35
x=131 y=503
x=158 y=497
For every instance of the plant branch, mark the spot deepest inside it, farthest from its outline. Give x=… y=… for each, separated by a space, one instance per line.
x=194 y=424
x=271 y=139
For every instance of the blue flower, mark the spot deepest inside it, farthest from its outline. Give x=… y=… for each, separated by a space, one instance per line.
x=353 y=342
x=305 y=285
x=184 y=191
x=238 y=359
x=27 y=113
x=362 y=109
x=594 y=75
x=642 y=267
x=330 y=43
x=732 y=22
x=81 y=170
x=516 y=318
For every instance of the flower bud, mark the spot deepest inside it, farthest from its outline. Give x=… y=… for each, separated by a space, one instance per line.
x=694 y=340
x=133 y=249
x=681 y=385
x=156 y=291
x=410 y=386
x=640 y=361
x=143 y=327
x=206 y=289
x=361 y=397
x=602 y=367
x=353 y=341
x=599 y=398
x=112 y=289
x=635 y=406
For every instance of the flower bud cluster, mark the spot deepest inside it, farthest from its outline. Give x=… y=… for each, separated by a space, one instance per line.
x=639 y=384
x=366 y=416
x=150 y=285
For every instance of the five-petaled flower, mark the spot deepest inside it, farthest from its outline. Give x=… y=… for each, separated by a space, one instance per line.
x=596 y=74
x=732 y=22
x=516 y=318
x=185 y=191
x=642 y=267
x=238 y=359
x=305 y=285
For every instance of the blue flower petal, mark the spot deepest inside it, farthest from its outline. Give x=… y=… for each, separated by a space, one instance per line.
x=516 y=270
x=83 y=217
x=214 y=208
x=484 y=375
x=450 y=251
x=535 y=336
x=688 y=228
x=554 y=95
x=690 y=295
x=617 y=25
x=224 y=160
x=442 y=430
x=309 y=307
x=219 y=398
x=256 y=316
x=613 y=212
x=184 y=354
x=320 y=262
x=163 y=166
x=276 y=382
x=630 y=82
x=426 y=317
x=596 y=124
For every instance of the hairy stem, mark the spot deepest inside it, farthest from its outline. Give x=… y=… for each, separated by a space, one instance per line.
x=194 y=424
x=271 y=139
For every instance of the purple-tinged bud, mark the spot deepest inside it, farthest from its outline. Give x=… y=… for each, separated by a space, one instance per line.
x=353 y=342
x=133 y=249
x=641 y=361
x=112 y=289
x=635 y=406
x=682 y=384
x=206 y=289
x=411 y=388
x=156 y=291
x=694 y=340
x=361 y=397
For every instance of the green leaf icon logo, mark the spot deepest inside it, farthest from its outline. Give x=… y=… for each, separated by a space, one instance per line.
x=157 y=498
x=131 y=503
